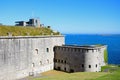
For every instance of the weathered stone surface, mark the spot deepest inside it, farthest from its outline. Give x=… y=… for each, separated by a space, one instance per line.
x=79 y=58
x=24 y=56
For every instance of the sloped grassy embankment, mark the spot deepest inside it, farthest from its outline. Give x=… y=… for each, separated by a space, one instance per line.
x=109 y=72
x=25 y=31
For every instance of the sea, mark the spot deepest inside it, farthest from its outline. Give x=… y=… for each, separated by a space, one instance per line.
x=112 y=41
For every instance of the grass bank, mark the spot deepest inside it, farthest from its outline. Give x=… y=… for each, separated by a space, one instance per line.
x=58 y=75
x=25 y=31
x=112 y=74
x=109 y=72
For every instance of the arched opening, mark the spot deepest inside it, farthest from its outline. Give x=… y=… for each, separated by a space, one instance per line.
x=82 y=65
x=89 y=66
x=47 y=49
x=65 y=62
x=36 y=51
x=48 y=61
x=96 y=65
x=33 y=64
x=40 y=62
x=65 y=69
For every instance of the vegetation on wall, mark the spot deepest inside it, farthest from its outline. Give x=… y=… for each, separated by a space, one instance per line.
x=26 y=31
x=113 y=73
x=105 y=55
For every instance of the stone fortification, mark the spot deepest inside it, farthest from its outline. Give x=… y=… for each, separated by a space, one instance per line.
x=24 y=56
x=72 y=58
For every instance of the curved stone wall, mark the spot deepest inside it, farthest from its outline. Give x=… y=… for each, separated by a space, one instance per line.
x=72 y=58
x=91 y=61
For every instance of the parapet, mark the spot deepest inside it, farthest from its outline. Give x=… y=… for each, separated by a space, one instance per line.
x=18 y=37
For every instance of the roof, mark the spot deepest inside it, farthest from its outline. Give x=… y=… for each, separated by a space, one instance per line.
x=83 y=46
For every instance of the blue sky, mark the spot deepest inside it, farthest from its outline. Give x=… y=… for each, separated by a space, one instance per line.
x=66 y=16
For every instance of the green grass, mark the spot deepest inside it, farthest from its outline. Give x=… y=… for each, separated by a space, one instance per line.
x=113 y=73
x=106 y=56
x=58 y=75
x=25 y=31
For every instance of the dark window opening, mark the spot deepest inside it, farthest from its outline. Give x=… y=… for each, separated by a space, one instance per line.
x=55 y=60
x=71 y=70
x=89 y=66
x=36 y=51
x=47 y=49
x=40 y=62
x=58 y=60
x=82 y=65
x=47 y=61
x=61 y=61
x=65 y=69
x=59 y=68
x=65 y=62
x=33 y=64
x=96 y=65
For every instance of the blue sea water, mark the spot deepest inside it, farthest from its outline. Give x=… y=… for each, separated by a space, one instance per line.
x=113 y=42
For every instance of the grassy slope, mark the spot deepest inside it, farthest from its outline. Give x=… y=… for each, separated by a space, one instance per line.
x=112 y=74
x=106 y=56
x=57 y=75
x=24 y=31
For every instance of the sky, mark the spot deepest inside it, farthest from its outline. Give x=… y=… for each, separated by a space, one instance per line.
x=65 y=16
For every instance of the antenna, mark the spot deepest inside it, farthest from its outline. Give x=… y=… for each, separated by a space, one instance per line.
x=32 y=14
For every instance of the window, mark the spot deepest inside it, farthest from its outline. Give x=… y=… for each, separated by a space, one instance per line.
x=58 y=60
x=96 y=65
x=40 y=62
x=33 y=64
x=48 y=61
x=47 y=49
x=89 y=66
x=82 y=65
x=65 y=62
x=55 y=60
x=61 y=61
x=65 y=69
x=36 y=51
x=71 y=70
x=58 y=68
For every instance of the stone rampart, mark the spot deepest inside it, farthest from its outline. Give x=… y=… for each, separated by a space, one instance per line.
x=23 y=56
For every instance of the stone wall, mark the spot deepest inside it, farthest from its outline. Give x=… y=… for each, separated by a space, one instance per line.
x=79 y=58
x=24 y=56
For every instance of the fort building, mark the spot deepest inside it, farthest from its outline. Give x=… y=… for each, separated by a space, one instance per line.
x=32 y=22
x=29 y=55
x=72 y=58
